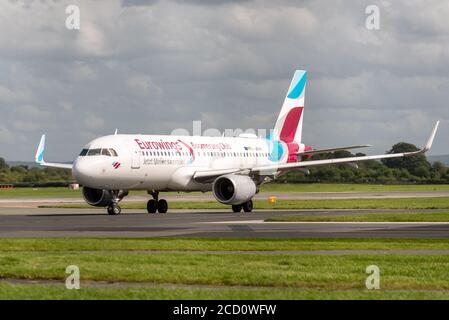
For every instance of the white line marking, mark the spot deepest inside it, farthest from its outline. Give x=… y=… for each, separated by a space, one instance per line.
x=327 y=222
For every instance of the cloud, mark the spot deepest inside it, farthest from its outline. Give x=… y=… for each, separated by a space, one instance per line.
x=153 y=66
x=138 y=3
x=93 y=122
x=8 y=95
x=28 y=126
x=81 y=72
x=142 y=85
x=30 y=111
x=6 y=135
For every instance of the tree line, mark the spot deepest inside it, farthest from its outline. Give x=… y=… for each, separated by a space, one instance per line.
x=414 y=169
x=398 y=170
x=22 y=175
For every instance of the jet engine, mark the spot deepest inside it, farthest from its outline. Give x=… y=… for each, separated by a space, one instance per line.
x=97 y=197
x=233 y=189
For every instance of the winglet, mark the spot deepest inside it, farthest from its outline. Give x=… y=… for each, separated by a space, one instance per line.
x=39 y=158
x=432 y=136
x=429 y=143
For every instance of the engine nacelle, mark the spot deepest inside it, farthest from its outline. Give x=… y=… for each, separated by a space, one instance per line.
x=97 y=197
x=233 y=189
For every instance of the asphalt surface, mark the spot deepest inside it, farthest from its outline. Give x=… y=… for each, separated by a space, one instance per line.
x=35 y=222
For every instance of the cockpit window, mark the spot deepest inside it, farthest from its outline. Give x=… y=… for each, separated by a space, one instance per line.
x=94 y=152
x=105 y=152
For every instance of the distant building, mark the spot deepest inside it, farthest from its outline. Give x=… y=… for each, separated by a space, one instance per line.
x=74 y=186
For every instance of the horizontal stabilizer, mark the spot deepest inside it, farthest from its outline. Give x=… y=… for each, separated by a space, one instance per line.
x=318 y=151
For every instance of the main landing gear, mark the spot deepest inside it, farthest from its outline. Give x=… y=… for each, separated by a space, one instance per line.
x=156 y=205
x=246 y=206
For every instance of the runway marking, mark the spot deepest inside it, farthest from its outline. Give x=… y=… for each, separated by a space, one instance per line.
x=18 y=207
x=362 y=223
x=234 y=222
x=328 y=222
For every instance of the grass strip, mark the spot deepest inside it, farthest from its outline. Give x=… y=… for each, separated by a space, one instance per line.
x=272 y=187
x=214 y=244
x=42 y=292
x=330 y=272
x=390 y=203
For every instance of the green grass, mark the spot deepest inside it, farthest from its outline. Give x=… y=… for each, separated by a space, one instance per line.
x=331 y=272
x=214 y=244
x=370 y=217
x=38 y=192
x=40 y=292
x=180 y=274
x=348 y=187
x=390 y=203
x=272 y=187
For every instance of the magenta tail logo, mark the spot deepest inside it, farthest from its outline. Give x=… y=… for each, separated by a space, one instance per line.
x=192 y=154
x=290 y=126
x=116 y=164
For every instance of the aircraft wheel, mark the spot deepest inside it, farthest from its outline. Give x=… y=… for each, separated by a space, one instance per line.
x=248 y=206
x=236 y=208
x=114 y=210
x=152 y=206
x=162 y=206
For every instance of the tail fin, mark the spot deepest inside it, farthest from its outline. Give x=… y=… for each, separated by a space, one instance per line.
x=288 y=126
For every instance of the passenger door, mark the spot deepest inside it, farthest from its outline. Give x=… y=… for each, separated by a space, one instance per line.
x=135 y=161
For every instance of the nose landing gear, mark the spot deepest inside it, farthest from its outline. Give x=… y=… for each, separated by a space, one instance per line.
x=156 y=205
x=114 y=210
x=117 y=196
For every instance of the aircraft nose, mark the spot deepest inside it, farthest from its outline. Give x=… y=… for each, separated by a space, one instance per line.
x=83 y=171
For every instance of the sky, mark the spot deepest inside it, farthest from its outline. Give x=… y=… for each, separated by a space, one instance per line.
x=155 y=66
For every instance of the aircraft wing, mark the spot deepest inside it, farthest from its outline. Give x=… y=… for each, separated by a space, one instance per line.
x=39 y=158
x=205 y=176
x=318 y=151
x=272 y=170
x=305 y=164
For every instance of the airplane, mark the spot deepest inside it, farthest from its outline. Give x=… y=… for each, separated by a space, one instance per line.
x=233 y=168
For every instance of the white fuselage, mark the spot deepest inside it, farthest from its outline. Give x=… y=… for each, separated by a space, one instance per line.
x=156 y=162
